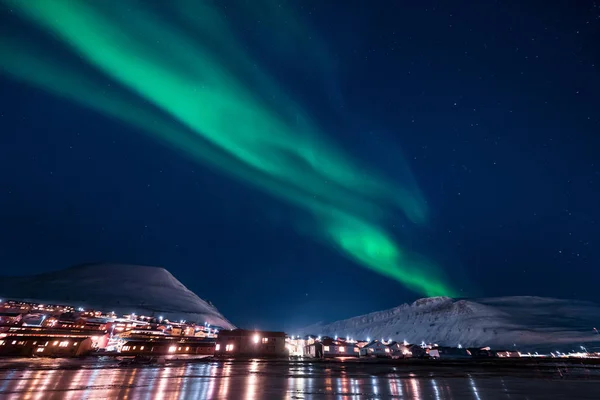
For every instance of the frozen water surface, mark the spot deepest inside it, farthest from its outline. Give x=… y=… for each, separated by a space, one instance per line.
x=255 y=379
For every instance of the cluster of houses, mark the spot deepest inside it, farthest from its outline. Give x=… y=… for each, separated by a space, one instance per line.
x=33 y=329
x=327 y=347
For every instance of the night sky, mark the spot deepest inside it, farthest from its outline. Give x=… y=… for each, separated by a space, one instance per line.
x=486 y=111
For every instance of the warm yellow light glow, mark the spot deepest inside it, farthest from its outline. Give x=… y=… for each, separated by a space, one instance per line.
x=342 y=349
x=387 y=350
x=356 y=349
x=256 y=338
x=218 y=347
x=326 y=348
x=172 y=349
x=265 y=340
x=229 y=347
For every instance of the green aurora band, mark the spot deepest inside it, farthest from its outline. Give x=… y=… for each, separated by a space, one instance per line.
x=203 y=94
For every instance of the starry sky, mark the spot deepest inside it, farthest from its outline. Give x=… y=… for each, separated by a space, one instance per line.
x=486 y=115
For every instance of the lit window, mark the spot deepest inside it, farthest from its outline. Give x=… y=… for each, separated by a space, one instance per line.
x=229 y=347
x=218 y=347
x=356 y=349
x=1 y=342
x=14 y=342
x=141 y=347
x=387 y=350
x=74 y=343
x=342 y=349
x=179 y=349
x=256 y=339
x=134 y=347
x=172 y=349
x=326 y=348
x=55 y=343
x=265 y=340
x=63 y=344
x=187 y=348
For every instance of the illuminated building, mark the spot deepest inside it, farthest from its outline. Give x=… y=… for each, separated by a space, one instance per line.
x=240 y=342
x=399 y=350
x=40 y=342
x=331 y=348
x=375 y=348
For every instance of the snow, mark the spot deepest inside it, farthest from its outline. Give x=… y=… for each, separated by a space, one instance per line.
x=115 y=287
x=501 y=322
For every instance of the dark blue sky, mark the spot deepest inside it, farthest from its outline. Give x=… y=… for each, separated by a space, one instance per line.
x=493 y=104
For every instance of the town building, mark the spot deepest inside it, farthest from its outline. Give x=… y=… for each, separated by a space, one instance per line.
x=449 y=353
x=246 y=343
x=399 y=350
x=331 y=348
x=417 y=351
x=375 y=348
x=29 y=342
x=507 y=353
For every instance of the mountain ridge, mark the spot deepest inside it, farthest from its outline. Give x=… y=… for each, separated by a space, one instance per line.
x=526 y=321
x=121 y=288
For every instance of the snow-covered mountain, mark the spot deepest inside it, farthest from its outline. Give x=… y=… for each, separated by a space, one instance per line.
x=527 y=322
x=115 y=287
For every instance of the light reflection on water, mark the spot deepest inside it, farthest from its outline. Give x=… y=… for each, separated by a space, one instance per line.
x=255 y=380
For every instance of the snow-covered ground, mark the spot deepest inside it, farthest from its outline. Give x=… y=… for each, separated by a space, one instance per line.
x=114 y=287
x=524 y=321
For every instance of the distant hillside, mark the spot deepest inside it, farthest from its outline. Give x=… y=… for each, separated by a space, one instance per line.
x=114 y=287
x=533 y=322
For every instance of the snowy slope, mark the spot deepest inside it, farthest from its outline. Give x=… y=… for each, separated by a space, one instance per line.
x=523 y=321
x=114 y=287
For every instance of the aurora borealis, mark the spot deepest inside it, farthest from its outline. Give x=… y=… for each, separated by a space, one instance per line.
x=200 y=91
x=298 y=161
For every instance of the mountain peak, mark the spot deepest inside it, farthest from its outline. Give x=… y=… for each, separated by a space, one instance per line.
x=116 y=287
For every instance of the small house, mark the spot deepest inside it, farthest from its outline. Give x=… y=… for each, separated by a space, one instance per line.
x=507 y=353
x=246 y=343
x=449 y=353
x=331 y=348
x=377 y=349
x=399 y=350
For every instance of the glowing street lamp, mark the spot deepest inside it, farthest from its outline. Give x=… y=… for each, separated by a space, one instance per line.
x=256 y=338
